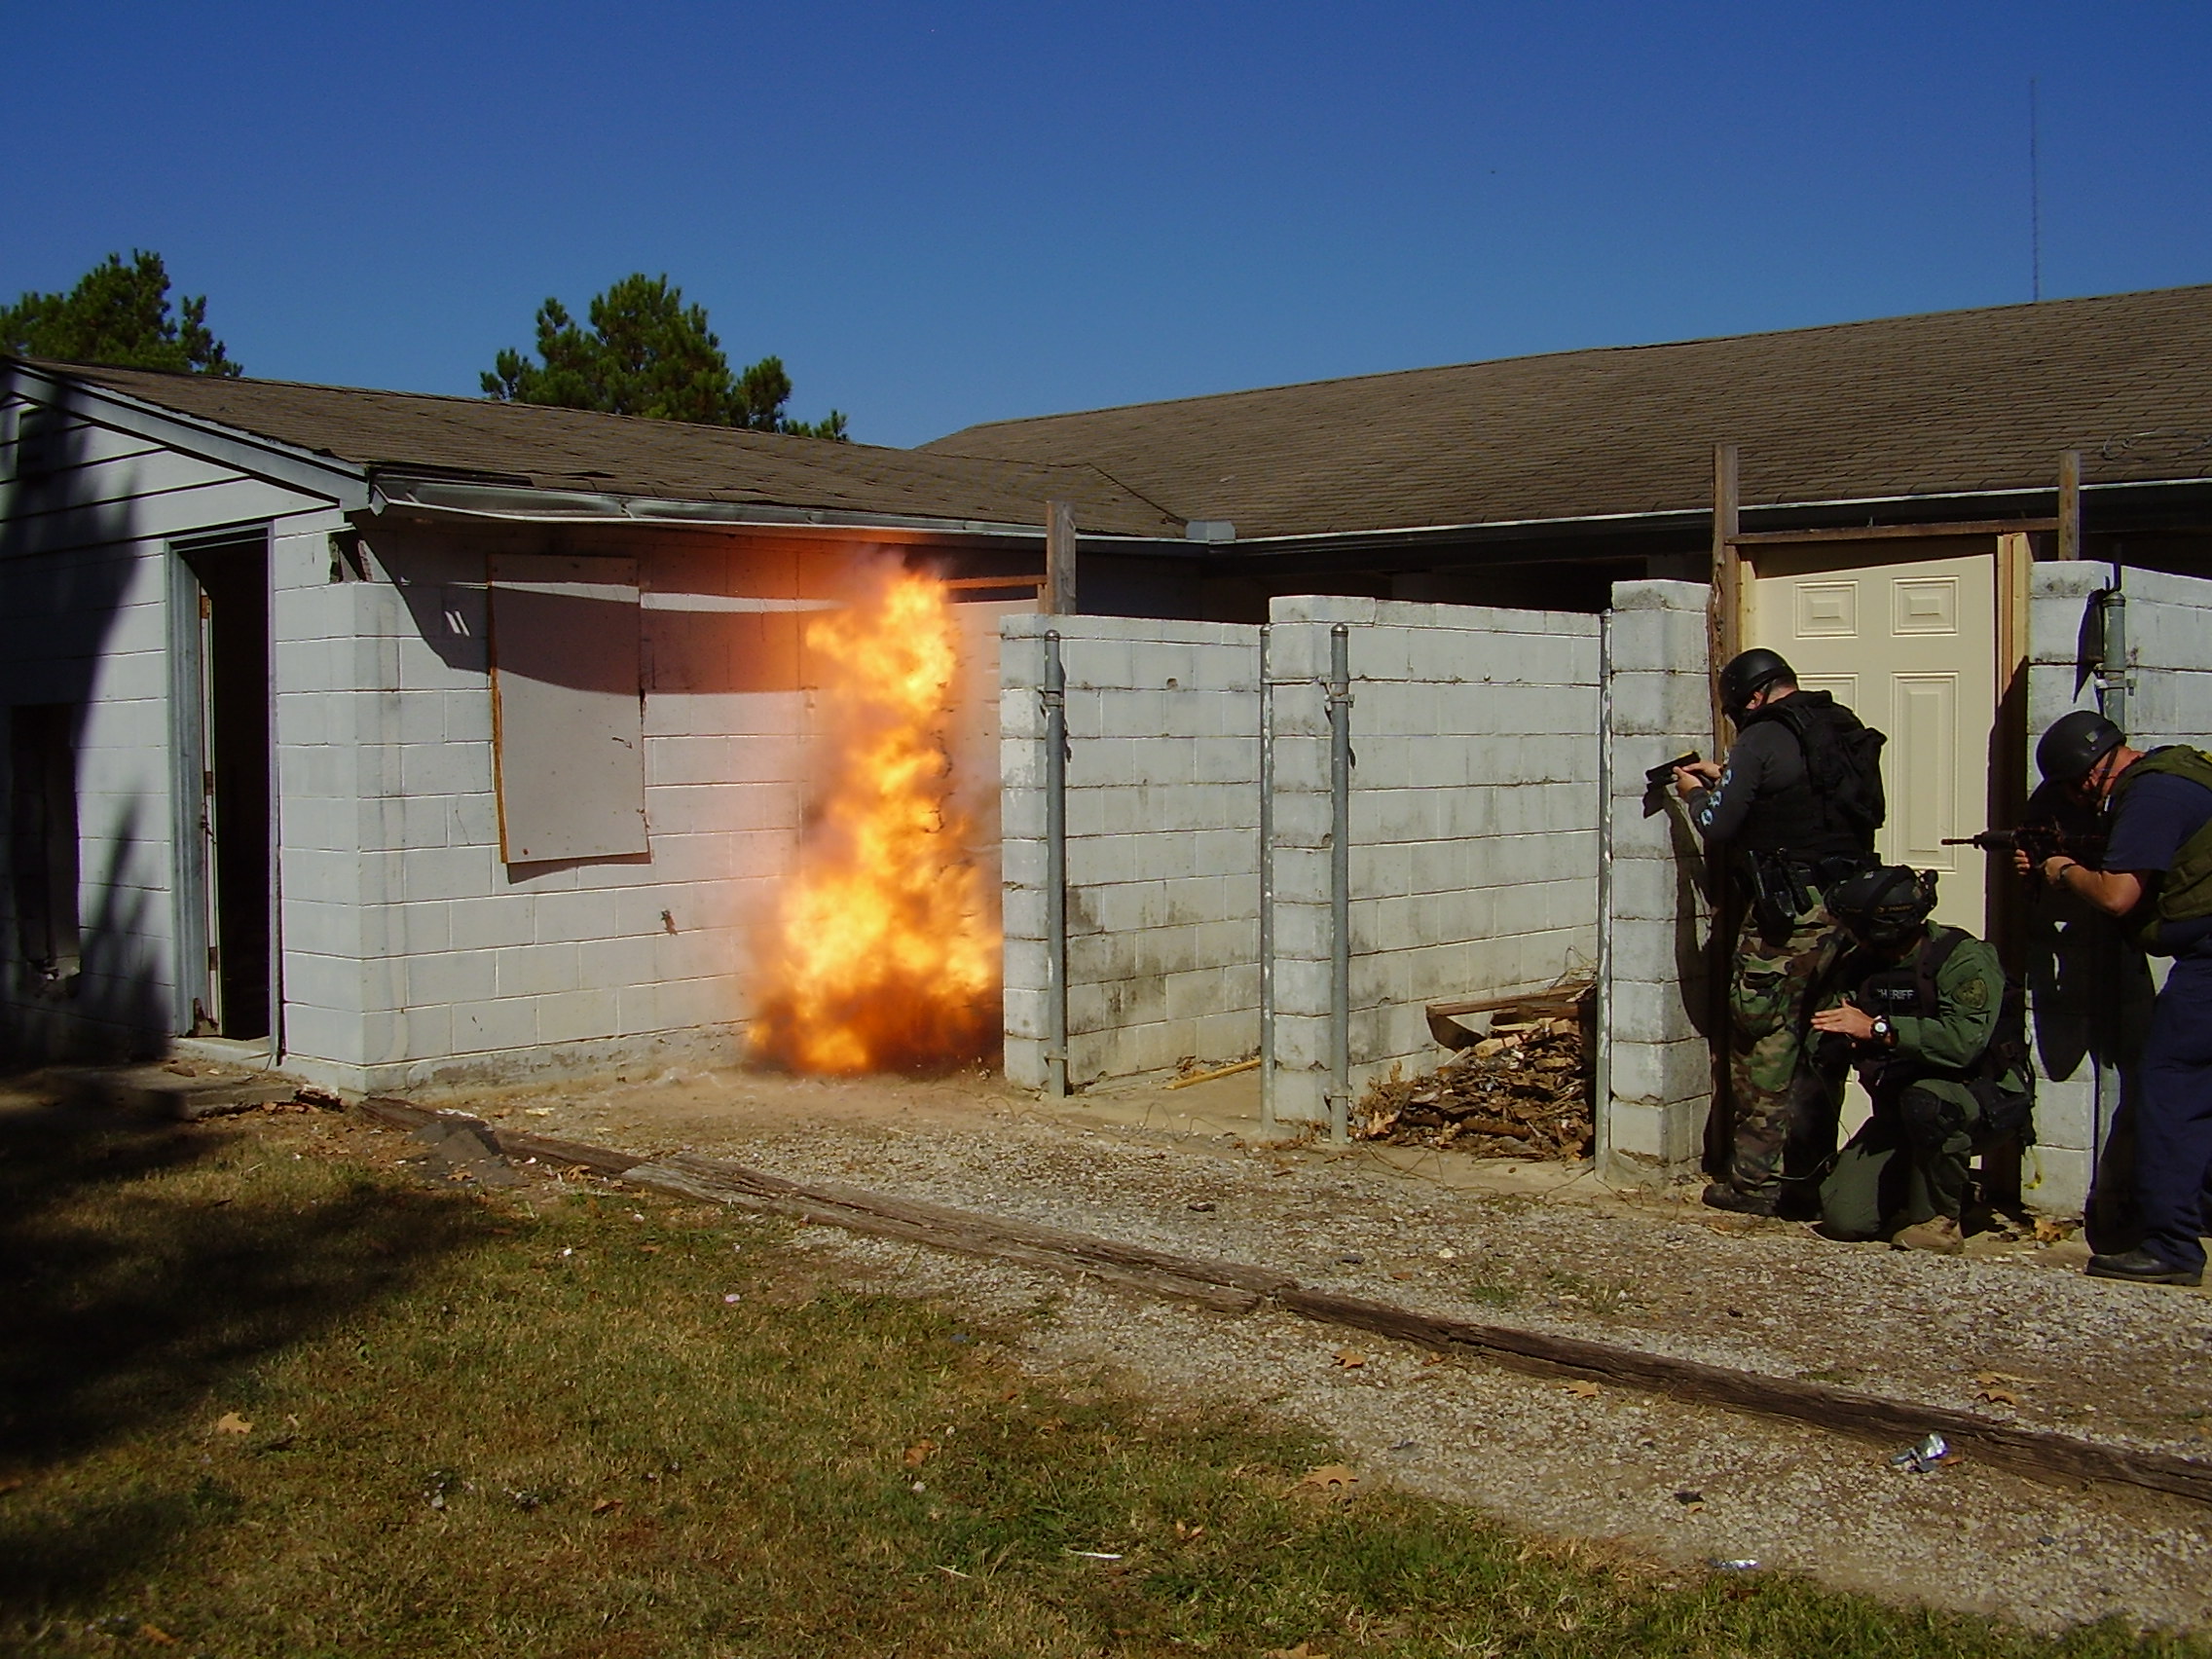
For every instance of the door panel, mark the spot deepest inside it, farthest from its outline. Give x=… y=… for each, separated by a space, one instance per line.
x=1907 y=635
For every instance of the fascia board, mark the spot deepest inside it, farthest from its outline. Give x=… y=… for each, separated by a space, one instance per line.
x=342 y=483
x=396 y=492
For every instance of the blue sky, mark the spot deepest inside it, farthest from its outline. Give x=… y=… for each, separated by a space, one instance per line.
x=945 y=213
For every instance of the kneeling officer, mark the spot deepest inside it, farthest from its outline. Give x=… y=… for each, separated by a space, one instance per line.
x=1939 y=1039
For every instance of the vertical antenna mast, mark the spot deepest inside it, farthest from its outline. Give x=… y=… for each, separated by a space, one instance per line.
x=2035 y=200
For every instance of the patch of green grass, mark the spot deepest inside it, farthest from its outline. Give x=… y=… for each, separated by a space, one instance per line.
x=1595 y=1296
x=269 y=1395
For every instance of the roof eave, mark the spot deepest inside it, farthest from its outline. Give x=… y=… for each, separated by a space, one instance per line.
x=1662 y=520
x=398 y=493
x=343 y=483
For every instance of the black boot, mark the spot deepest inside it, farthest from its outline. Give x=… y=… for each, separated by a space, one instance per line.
x=1722 y=1196
x=2141 y=1265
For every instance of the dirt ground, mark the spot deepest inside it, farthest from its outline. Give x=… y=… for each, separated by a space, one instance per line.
x=2011 y=1330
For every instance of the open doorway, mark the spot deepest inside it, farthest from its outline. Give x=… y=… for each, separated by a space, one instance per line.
x=225 y=892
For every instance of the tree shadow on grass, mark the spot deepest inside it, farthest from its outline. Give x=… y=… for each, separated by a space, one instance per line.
x=130 y=1291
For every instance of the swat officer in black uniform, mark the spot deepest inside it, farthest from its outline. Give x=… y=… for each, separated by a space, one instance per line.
x=1793 y=809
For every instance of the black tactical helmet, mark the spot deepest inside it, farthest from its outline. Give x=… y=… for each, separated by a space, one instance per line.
x=2075 y=744
x=1884 y=906
x=1749 y=673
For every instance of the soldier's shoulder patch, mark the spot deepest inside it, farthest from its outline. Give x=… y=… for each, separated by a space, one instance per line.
x=1973 y=993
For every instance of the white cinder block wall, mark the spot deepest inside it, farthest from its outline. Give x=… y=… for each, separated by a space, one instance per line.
x=1656 y=1070
x=1162 y=843
x=2090 y=994
x=1474 y=822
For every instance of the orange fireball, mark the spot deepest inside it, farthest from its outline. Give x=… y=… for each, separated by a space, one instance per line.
x=883 y=954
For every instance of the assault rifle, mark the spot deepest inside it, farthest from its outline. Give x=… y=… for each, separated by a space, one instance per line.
x=2039 y=842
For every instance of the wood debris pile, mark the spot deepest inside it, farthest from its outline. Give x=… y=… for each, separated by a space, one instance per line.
x=1521 y=1091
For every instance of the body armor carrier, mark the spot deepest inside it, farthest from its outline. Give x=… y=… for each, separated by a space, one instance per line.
x=1907 y=989
x=1831 y=813
x=2185 y=893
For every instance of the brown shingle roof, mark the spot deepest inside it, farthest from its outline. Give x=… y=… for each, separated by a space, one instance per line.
x=567 y=449
x=1951 y=403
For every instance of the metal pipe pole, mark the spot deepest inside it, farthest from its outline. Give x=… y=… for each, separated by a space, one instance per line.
x=1267 y=893
x=2109 y=985
x=1602 y=1073
x=1340 y=884
x=1055 y=869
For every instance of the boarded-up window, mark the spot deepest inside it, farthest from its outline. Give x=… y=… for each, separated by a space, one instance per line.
x=567 y=722
x=42 y=825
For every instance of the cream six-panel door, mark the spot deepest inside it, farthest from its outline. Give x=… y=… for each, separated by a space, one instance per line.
x=1907 y=635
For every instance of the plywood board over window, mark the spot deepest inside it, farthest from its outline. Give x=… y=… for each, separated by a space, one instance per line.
x=568 y=721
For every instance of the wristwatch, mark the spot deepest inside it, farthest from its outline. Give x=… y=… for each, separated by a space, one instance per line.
x=1883 y=1030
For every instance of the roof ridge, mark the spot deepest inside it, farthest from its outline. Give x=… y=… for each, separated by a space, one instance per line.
x=1592 y=352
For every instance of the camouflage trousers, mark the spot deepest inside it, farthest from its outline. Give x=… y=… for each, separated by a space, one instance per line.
x=1784 y=1111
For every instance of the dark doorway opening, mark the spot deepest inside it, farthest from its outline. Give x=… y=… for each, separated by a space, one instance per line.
x=232 y=575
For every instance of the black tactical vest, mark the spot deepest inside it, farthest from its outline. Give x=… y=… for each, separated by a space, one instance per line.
x=1802 y=822
x=1907 y=989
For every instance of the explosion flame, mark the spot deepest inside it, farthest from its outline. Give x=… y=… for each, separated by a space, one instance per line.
x=883 y=952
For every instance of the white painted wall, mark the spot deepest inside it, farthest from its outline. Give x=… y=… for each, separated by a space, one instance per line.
x=1162 y=843
x=1474 y=822
x=2090 y=994
x=84 y=619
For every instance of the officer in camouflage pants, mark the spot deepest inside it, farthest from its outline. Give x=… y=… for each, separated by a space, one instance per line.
x=1784 y=1111
x=1781 y=837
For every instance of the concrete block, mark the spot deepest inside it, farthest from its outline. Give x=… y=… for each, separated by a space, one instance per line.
x=1674 y=640
x=575 y=1016
x=1660 y=1072
x=579 y=915
x=2063 y=1189
x=1027 y=963
x=1667 y=1139
x=706 y=1001
x=1651 y=1010
x=446 y=872
x=1302 y=987
x=1661 y=596
x=482 y=1027
x=321 y=1033
x=1194 y=993
x=1300 y=1095
x=1022 y=913
x=423 y=1033
x=451 y=977
x=535 y=969
x=1223 y=1038
x=1656 y=704
x=617 y=963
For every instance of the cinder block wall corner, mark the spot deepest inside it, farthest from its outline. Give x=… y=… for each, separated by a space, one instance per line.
x=1655 y=1066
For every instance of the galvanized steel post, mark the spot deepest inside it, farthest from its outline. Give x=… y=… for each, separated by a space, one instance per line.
x=1267 y=893
x=1340 y=884
x=1055 y=869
